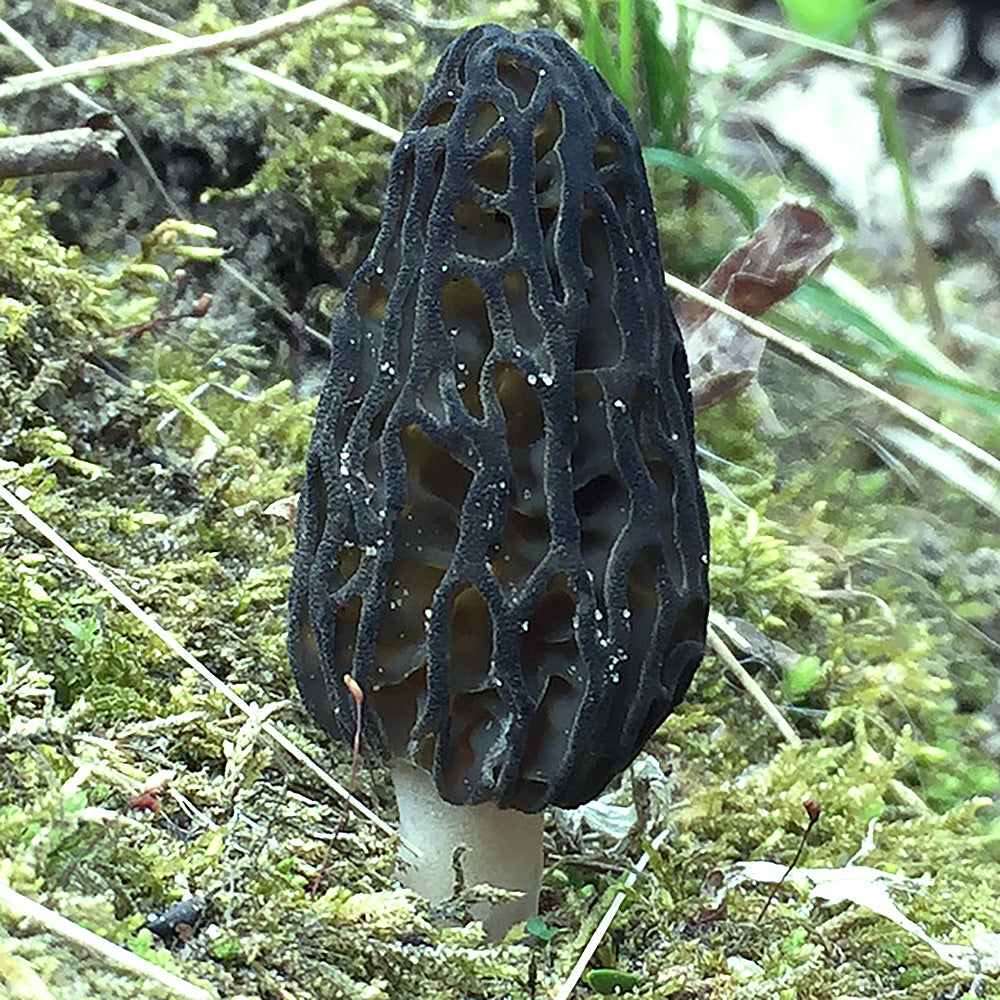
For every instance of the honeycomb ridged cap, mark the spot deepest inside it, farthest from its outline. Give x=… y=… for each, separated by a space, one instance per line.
x=501 y=534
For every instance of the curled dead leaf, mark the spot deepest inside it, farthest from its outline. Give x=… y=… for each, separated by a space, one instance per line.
x=791 y=244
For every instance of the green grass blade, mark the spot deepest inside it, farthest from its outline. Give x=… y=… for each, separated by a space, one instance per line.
x=922 y=367
x=836 y=20
x=665 y=83
x=690 y=167
x=942 y=462
x=843 y=297
x=979 y=398
x=625 y=53
x=818 y=295
x=596 y=47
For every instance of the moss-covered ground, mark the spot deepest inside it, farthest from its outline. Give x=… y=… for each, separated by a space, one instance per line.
x=159 y=454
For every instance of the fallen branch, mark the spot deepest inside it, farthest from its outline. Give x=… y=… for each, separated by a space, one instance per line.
x=54 y=152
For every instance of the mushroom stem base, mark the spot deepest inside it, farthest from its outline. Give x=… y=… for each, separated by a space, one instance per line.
x=503 y=847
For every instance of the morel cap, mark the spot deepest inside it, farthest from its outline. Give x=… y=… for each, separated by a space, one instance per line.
x=501 y=535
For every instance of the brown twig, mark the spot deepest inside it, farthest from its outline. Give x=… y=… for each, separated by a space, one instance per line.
x=54 y=152
x=354 y=689
x=27 y=909
x=137 y=329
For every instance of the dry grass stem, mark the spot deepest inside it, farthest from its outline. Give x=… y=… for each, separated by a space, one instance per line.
x=830 y=48
x=566 y=989
x=844 y=375
x=350 y=114
x=750 y=685
x=28 y=909
x=245 y=34
x=84 y=564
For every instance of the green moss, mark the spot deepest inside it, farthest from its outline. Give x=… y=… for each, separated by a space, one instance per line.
x=42 y=277
x=764 y=577
x=329 y=166
x=14 y=317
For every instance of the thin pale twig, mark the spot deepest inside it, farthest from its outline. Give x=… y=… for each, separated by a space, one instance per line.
x=845 y=375
x=751 y=686
x=17 y=41
x=755 y=690
x=601 y=929
x=829 y=48
x=84 y=564
x=904 y=793
x=244 y=34
x=243 y=66
x=28 y=909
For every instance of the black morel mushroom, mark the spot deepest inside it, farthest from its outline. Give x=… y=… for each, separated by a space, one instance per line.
x=502 y=536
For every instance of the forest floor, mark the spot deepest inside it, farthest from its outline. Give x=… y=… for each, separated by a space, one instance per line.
x=162 y=435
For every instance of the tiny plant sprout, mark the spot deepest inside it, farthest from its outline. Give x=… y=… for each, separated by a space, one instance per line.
x=501 y=536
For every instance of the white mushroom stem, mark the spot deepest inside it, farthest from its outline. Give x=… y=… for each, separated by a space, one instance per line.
x=503 y=848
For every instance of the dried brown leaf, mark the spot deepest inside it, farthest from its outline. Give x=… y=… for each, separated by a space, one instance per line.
x=793 y=242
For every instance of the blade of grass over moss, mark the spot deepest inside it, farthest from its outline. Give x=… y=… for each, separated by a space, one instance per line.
x=703 y=174
x=945 y=463
x=980 y=398
x=625 y=52
x=665 y=74
x=913 y=360
x=596 y=47
x=871 y=356
x=844 y=299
